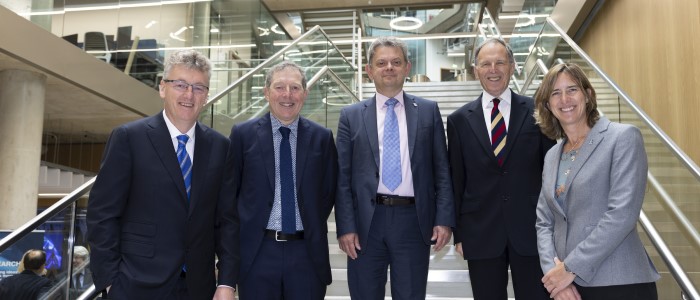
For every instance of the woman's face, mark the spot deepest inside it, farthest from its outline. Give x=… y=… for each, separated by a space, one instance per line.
x=568 y=102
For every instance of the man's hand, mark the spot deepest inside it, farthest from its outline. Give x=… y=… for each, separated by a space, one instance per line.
x=441 y=235
x=458 y=248
x=225 y=293
x=348 y=243
x=557 y=279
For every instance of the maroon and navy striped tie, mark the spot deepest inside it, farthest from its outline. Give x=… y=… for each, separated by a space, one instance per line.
x=498 y=132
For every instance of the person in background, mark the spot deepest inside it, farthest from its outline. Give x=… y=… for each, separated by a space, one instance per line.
x=82 y=277
x=593 y=187
x=394 y=192
x=162 y=206
x=285 y=170
x=30 y=283
x=496 y=155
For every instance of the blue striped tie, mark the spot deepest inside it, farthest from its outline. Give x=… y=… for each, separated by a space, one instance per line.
x=185 y=164
x=391 y=154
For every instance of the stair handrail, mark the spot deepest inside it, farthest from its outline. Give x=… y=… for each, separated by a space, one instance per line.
x=645 y=118
x=674 y=267
x=44 y=216
x=269 y=61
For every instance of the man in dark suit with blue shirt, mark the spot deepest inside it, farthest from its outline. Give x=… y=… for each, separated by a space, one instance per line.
x=285 y=169
x=162 y=206
x=394 y=191
x=496 y=157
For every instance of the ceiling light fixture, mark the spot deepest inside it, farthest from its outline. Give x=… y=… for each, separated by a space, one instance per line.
x=417 y=23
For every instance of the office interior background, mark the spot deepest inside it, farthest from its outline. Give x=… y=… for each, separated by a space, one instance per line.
x=82 y=67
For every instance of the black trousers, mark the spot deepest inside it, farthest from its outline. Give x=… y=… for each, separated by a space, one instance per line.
x=637 y=291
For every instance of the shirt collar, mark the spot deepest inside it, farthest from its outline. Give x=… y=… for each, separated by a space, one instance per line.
x=276 y=124
x=174 y=132
x=381 y=99
x=504 y=97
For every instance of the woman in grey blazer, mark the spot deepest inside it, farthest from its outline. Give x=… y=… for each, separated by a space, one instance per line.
x=593 y=185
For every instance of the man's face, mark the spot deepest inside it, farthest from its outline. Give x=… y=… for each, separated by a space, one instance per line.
x=493 y=68
x=78 y=261
x=286 y=95
x=388 y=69
x=185 y=97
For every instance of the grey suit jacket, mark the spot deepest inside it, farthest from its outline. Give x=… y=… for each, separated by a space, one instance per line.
x=595 y=233
x=358 y=161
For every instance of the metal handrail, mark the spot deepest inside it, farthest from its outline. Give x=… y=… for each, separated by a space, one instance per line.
x=269 y=61
x=674 y=267
x=531 y=77
x=44 y=216
x=649 y=122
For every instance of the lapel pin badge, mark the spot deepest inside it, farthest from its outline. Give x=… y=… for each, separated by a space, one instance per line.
x=415 y=105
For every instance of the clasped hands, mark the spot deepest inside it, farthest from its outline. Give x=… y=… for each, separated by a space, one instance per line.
x=559 y=283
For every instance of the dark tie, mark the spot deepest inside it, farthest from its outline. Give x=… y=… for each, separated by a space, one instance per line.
x=185 y=164
x=287 y=184
x=391 y=154
x=498 y=132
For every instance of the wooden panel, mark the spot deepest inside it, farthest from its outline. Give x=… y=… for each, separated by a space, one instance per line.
x=650 y=49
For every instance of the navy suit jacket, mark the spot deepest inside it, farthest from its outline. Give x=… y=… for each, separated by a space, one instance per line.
x=358 y=159
x=254 y=176
x=142 y=230
x=496 y=204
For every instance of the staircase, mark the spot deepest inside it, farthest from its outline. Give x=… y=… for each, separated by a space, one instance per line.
x=56 y=179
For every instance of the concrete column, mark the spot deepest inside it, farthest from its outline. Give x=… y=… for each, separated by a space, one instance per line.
x=22 y=96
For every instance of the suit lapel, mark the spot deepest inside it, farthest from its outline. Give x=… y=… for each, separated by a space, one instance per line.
x=518 y=115
x=369 y=113
x=475 y=117
x=160 y=139
x=303 y=139
x=411 y=111
x=200 y=165
x=267 y=148
x=594 y=138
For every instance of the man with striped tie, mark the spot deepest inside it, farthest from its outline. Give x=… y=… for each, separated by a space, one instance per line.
x=496 y=154
x=162 y=206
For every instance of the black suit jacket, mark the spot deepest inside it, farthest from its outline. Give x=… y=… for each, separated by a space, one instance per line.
x=141 y=228
x=496 y=204
x=23 y=286
x=254 y=174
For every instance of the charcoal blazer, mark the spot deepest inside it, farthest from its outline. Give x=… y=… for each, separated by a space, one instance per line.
x=141 y=228
x=254 y=177
x=358 y=157
x=595 y=234
x=496 y=204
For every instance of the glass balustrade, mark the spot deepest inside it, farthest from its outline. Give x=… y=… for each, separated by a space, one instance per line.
x=245 y=99
x=673 y=185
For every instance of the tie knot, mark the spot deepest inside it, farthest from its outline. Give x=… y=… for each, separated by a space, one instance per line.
x=496 y=101
x=391 y=102
x=182 y=139
x=285 y=132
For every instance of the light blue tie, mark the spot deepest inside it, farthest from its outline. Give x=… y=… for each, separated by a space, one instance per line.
x=391 y=155
x=185 y=164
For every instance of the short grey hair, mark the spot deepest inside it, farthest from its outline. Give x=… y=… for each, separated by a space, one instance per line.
x=80 y=251
x=387 y=41
x=494 y=41
x=281 y=66
x=190 y=59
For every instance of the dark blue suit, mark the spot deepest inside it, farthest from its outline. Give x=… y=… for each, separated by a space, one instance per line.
x=358 y=180
x=496 y=204
x=254 y=174
x=141 y=229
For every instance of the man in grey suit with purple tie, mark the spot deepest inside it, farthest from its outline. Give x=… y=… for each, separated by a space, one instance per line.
x=394 y=190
